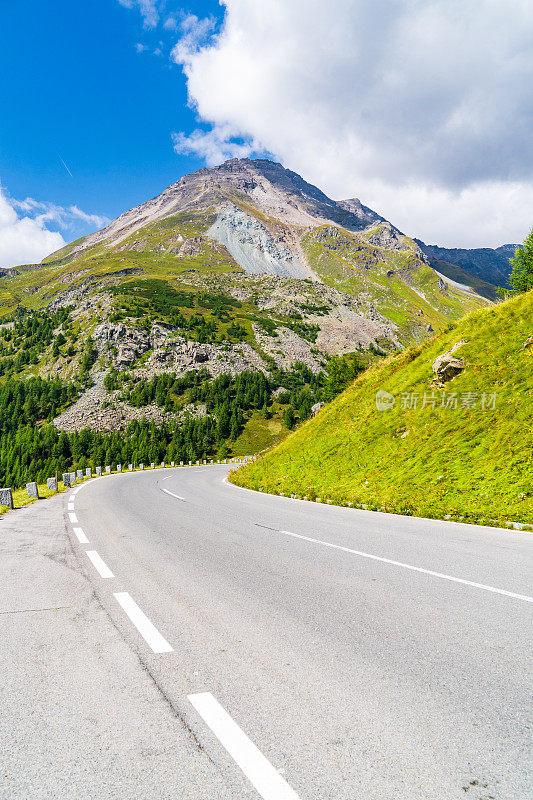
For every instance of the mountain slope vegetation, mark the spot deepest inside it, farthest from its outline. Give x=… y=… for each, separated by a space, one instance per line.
x=236 y=268
x=458 y=450
x=206 y=322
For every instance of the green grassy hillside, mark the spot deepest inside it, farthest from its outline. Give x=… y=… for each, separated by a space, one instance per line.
x=424 y=456
x=395 y=280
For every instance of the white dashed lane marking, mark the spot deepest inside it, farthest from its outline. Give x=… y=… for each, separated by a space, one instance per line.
x=82 y=539
x=72 y=517
x=99 y=565
x=250 y=760
x=177 y=496
x=147 y=630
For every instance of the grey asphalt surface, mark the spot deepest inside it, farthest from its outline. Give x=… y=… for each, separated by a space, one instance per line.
x=355 y=678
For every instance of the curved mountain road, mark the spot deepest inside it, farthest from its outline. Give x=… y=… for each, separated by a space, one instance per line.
x=284 y=649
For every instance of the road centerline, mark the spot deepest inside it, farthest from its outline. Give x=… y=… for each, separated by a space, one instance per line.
x=411 y=567
x=82 y=539
x=147 y=629
x=99 y=564
x=260 y=772
x=177 y=496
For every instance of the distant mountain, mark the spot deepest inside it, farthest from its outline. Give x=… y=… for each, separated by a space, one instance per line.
x=484 y=263
x=243 y=266
x=258 y=218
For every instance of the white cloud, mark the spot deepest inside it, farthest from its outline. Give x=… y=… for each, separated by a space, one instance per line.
x=147 y=8
x=214 y=145
x=94 y=220
x=421 y=108
x=171 y=23
x=46 y=211
x=25 y=237
x=194 y=33
x=24 y=240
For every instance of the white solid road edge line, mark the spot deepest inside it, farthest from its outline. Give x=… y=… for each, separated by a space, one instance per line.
x=82 y=539
x=411 y=567
x=148 y=631
x=259 y=771
x=99 y=564
x=177 y=496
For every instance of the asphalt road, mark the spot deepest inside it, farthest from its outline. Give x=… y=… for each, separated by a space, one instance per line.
x=233 y=644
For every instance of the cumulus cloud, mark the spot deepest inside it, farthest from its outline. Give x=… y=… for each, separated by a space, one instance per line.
x=24 y=239
x=214 y=145
x=420 y=108
x=194 y=33
x=25 y=235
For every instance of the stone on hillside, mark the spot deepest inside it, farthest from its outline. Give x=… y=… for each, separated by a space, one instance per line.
x=98 y=470
x=316 y=408
x=73 y=479
x=119 y=467
x=6 y=497
x=141 y=466
x=32 y=489
x=66 y=478
x=130 y=467
x=51 y=484
x=88 y=473
x=527 y=343
x=108 y=470
x=79 y=474
x=447 y=366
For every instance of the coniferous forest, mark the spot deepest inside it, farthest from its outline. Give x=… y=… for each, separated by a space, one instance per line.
x=32 y=448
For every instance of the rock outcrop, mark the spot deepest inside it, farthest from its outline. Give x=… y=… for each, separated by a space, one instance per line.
x=447 y=366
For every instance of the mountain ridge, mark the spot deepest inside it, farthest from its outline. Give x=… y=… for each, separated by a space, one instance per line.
x=487 y=264
x=285 y=196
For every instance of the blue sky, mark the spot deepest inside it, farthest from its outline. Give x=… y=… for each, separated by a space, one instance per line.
x=421 y=109
x=79 y=91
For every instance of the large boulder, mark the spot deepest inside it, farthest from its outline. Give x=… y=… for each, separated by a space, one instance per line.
x=447 y=366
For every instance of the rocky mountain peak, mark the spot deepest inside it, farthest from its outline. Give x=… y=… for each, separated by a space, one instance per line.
x=267 y=186
x=363 y=213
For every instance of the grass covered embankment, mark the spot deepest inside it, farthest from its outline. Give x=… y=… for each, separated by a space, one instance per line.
x=464 y=451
